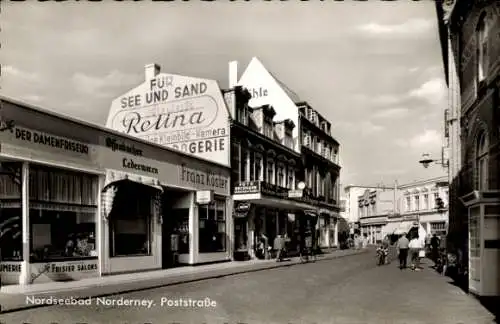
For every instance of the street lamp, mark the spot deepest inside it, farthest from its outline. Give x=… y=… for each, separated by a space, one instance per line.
x=426 y=161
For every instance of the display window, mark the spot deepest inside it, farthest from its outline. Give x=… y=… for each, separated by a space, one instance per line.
x=212 y=227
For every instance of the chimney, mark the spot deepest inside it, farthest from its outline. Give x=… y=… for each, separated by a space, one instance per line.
x=151 y=71
x=233 y=74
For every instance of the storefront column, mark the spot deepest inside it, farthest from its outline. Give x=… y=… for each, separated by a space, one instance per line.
x=193 y=229
x=99 y=220
x=24 y=278
x=336 y=233
x=251 y=233
x=230 y=228
x=326 y=231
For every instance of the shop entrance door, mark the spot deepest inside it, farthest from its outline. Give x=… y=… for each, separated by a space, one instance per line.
x=175 y=226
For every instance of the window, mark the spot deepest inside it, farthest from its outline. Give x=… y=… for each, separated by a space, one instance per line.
x=235 y=162
x=417 y=203
x=243 y=115
x=130 y=220
x=436 y=196
x=251 y=166
x=268 y=128
x=258 y=167
x=374 y=209
x=408 y=203
x=306 y=137
x=481 y=162
x=11 y=213
x=438 y=227
x=291 y=178
x=426 y=201
x=244 y=164
x=62 y=215
x=270 y=172
x=475 y=243
x=482 y=48
x=281 y=175
x=212 y=227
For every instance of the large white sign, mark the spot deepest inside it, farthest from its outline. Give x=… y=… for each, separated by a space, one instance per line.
x=179 y=112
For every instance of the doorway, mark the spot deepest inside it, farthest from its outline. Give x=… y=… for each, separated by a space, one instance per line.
x=175 y=226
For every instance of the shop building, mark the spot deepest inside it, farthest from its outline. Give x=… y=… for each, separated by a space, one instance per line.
x=353 y=211
x=265 y=170
x=79 y=200
x=469 y=34
x=321 y=180
x=375 y=206
x=423 y=203
x=320 y=152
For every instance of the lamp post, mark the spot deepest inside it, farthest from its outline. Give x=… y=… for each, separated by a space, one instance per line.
x=426 y=161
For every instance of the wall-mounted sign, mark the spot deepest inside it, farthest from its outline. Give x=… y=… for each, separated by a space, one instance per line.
x=179 y=112
x=295 y=193
x=247 y=187
x=32 y=144
x=211 y=179
x=204 y=197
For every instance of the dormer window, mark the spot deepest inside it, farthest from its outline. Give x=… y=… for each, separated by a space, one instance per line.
x=482 y=32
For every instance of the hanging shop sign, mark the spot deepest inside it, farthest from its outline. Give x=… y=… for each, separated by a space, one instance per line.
x=32 y=144
x=204 y=197
x=295 y=193
x=183 y=113
x=242 y=209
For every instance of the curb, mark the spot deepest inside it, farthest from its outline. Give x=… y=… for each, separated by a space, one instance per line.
x=136 y=286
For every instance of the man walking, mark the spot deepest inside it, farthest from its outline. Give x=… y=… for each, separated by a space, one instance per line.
x=402 y=246
x=435 y=243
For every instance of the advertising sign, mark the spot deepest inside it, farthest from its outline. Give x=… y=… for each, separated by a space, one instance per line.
x=32 y=144
x=204 y=197
x=183 y=113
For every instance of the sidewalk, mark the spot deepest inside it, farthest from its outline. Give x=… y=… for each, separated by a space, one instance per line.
x=13 y=297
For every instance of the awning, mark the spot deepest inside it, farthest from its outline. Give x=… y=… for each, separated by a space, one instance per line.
x=403 y=227
x=113 y=176
x=389 y=228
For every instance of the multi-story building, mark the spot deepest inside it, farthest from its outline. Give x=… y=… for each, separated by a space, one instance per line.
x=423 y=203
x=375 y=206
x=265 y=169
x=352 y=211
x=379 y=211
x=320 y=152
x=266 y=112
x=471 y=54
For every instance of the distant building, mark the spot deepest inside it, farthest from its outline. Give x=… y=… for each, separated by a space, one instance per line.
x=379 y=211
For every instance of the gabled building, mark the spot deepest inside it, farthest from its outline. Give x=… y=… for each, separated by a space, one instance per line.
x=265 y=170
x=310 y=138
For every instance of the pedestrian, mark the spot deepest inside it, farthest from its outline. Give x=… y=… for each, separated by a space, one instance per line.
x=278 y=247
x=402 y=247
x=435 y=243
x=415 y=247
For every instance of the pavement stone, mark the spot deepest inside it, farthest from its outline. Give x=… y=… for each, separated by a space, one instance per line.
x=350 y=290
x=13 y=297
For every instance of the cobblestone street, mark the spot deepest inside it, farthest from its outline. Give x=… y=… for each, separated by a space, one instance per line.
x=345 y=290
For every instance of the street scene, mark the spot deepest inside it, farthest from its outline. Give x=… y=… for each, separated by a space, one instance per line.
x=348 y=290
x=250 y=162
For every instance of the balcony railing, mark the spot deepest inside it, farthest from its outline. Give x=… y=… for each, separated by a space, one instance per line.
x=271 y=190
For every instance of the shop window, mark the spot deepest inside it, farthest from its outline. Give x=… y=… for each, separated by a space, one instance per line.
x=130 y=220
x=11 y=233
x=60 y=235
x=212 y=227
x=63 y=208
x=475 y=243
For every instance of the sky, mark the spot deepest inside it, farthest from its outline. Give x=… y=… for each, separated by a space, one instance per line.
x=373 y=68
